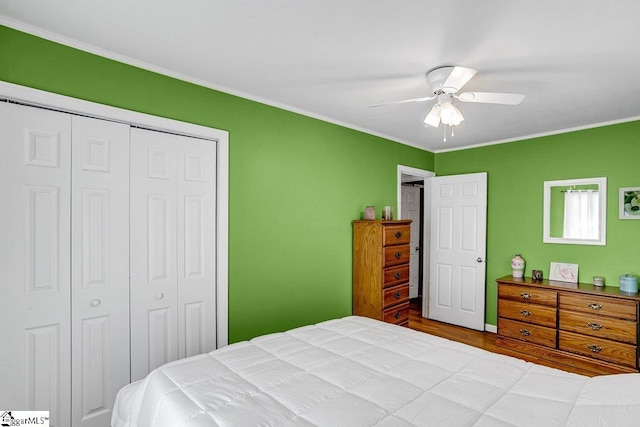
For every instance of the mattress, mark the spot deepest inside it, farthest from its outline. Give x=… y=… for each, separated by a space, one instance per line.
x=357 y=371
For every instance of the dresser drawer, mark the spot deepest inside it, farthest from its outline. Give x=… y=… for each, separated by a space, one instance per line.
x=599 y=326
x=530 y=295
x=397 y=314
x=396 y=275
x=613 y=307
x=597 y=348
x=527 y=332
x=395 y=295
x=396 y=234
x=530 y=313
x=395 y=255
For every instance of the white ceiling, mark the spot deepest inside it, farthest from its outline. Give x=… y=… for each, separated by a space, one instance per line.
x=578 y=61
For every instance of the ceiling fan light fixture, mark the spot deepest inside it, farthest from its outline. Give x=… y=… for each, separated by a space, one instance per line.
x=433 y=118
x=450 y=115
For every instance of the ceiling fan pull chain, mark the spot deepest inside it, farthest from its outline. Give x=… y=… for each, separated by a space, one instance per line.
x=444 y=138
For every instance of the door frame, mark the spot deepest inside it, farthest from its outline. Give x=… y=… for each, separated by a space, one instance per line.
x=419 y=175
x=39 y=98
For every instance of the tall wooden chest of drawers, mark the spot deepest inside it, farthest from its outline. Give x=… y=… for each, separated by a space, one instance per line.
x=381 y=270
x=595 y=329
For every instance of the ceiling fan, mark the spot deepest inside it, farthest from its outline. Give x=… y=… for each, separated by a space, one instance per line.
x=445 y=82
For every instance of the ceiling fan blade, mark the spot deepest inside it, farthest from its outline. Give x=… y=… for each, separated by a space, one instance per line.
x=404 y=101
x=492 y=97
x=459 y=77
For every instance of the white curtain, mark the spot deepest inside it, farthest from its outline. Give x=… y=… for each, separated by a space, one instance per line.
x=581 y=214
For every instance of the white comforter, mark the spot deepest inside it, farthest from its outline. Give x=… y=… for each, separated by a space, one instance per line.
x=361 y=372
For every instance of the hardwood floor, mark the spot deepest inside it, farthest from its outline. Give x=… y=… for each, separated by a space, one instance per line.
x=484 y=340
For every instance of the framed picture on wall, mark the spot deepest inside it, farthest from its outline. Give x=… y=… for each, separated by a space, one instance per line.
x=629 y=203
x=563 y=272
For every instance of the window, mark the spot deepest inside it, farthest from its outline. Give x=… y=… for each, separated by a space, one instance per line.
x=581 y=214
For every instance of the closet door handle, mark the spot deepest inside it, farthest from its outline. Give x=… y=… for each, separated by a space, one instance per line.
x=95 y=303
x=159 y=295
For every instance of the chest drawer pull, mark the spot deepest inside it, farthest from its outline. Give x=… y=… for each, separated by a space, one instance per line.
x=594 y=348
x=594 y=306
x=397 y=275
x=398 y=234
x=525 y=295
x=397 y=295
x=594 y=326
x=397 y=316
x=525 y=313
x=525 y=333
x=398 y=255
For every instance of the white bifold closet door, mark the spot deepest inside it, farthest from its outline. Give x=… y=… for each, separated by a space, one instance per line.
x=35 y=180
x=99 y=268
x=172 y=248
x=64 y=261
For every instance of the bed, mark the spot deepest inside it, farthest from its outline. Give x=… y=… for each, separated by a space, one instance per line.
x=357 y=371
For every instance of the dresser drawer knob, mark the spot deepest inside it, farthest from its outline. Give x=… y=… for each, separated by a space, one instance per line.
x=398 y=255
x=594 y=306
x=525 y=333
x=397 y=275
x=594 y=348
x=525 y=313
x=396 y=315
x=525 y=295
x=398 y=234
x=397 y=295
x=594 y=326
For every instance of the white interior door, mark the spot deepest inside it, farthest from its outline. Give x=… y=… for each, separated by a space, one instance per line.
x=153 y=245
x=411 y=210
x=196 y=246
x=35 y=177
x=173 y=258
x=99 y=268
x=458 y=248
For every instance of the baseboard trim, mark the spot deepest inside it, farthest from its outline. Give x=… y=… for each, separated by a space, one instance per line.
x=491 y=328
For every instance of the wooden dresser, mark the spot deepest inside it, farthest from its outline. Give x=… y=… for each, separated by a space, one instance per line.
x=381 y=270
x=593 y=328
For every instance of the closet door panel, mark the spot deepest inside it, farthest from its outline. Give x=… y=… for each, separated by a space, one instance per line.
x=100 y=267
x=196 y=246
x=154 y=338
x=34 y=260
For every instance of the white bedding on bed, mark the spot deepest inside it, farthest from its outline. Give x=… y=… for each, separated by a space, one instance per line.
x=357 y=371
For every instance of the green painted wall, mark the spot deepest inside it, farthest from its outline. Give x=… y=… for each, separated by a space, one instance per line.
x=516 y=172
x=296 y=183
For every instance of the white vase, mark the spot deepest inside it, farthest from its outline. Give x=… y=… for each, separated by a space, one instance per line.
x=517 y=266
